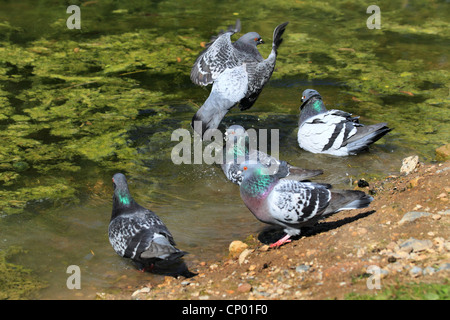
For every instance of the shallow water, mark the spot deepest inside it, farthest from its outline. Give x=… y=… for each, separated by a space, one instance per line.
x=203 y=211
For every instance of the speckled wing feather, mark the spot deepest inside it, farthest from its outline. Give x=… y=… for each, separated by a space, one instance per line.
x=294 y=203
x=133 y=234
x=220 y=55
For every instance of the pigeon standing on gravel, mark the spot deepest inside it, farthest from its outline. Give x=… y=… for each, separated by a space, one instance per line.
x=237 y=71
x=139 y=234
x=333 y=132
x=293 y=204
x=239 y=149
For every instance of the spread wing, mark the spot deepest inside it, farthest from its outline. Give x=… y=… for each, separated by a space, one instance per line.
x=220 y=55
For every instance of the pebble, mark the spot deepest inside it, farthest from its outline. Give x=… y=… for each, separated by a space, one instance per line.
x=428 y=271
x=143 y=290
x=444 y=267
x=414 y=245
x=236 y=247
x=244 y=287
x=415 y=271
x=244 y=254
x=412 y=216
x=409 y=164
x=302 y=268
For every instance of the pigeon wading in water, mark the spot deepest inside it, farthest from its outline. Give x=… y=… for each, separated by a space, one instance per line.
x=333 y=132
x=293 y=204
x=139 y=234
x=237 y=71
x=238 y=149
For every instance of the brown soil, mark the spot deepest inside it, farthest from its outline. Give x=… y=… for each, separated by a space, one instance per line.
x=336 y=253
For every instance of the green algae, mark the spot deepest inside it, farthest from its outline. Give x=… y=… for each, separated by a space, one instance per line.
x=16 y=282
x=75 y=106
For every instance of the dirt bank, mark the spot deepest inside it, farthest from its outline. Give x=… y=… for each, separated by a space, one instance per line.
x=341 y=255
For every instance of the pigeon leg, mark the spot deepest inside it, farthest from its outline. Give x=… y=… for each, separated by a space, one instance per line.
x=280 y=242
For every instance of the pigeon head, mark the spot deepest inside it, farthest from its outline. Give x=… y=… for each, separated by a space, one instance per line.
x=235 y=131
x=309 y=93
x=121 y=193
x=312 y=104
x=251 y=38
x=256 y=179
x=235 y=137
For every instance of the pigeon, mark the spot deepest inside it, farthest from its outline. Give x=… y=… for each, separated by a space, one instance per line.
x=237 y=72
x=293 y=204
x=139 y=234
x=239 y=149
x=333 y=132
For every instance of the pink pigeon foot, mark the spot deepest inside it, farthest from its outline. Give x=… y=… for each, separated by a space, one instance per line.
x=280 y=242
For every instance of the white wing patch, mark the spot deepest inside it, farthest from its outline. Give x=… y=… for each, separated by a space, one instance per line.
x=326 y=130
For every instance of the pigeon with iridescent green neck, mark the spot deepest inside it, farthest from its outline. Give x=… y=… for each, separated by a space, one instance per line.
x=293 y=204
x=139 y=234
x=333 y=132
x=238 y=149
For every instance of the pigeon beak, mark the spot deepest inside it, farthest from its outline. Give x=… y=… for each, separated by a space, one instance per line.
x=260 y=41
x=239 y=172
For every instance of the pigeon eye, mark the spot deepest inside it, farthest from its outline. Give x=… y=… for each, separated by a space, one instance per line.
x=304 y=97
x=256 y=39
x=245 y=168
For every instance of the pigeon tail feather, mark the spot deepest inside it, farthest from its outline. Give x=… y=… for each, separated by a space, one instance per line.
x=303 y=174
x=366 y=136
x=347 y=200
x=161 y=248
x=277 y=35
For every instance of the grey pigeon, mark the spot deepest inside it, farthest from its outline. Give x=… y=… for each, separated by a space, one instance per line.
x=293 y=204
x=333 y=132
x=237 y=71
x=139 y=234
x=239 y=149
